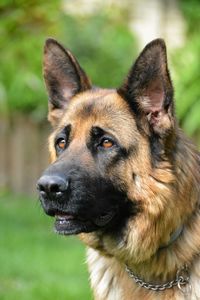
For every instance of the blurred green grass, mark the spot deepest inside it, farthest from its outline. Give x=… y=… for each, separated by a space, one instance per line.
x=35 y=263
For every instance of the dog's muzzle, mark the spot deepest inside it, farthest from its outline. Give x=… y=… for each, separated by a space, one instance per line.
x=72 y=216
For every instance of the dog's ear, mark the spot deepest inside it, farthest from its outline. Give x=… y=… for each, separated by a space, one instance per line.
x=148 y=88
x=63 y=76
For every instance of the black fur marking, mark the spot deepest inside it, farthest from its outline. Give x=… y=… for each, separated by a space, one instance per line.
x=97 y=132
x=88 y=198
x=96 y=135
x=156 y=149
x=87 y=110
x=122 y=154
x=65 y=134
x=107 y=158
x=131 y=101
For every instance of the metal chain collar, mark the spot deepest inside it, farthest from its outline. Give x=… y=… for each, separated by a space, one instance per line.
x=182 y=281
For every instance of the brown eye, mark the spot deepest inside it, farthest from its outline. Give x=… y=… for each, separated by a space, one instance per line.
x=61 y=144
x=107 y=143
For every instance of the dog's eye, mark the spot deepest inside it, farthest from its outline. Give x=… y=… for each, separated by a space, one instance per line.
x=61 y=144
x=106 y=143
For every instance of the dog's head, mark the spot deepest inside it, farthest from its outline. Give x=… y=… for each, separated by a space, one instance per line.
x=112 y=174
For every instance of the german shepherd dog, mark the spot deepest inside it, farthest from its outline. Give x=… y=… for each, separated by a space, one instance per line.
x=124 y=178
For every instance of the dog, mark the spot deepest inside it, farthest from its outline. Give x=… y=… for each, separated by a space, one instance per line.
x=123 y=177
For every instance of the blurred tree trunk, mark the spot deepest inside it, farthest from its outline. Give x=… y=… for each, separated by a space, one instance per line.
x=157 y=18
x=23 y=153
x=148 y=19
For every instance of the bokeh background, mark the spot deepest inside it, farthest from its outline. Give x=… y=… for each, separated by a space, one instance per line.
x=106 y=36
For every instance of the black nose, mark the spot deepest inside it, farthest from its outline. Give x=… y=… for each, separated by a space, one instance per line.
x=52 y=185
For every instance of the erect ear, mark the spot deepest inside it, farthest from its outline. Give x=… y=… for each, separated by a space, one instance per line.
x=63 y=76
x=148 y=88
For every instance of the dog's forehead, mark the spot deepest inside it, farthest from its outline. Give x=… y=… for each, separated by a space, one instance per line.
x=101 y=106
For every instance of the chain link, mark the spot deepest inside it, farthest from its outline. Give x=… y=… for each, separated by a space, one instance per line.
x=181 y=281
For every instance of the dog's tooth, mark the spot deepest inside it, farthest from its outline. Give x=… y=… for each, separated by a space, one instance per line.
x=63 y=218
x=60 y=217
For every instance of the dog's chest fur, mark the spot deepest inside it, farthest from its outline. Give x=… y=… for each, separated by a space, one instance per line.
x=111 y=282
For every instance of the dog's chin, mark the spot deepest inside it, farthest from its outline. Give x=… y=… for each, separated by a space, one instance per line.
x=67 y=224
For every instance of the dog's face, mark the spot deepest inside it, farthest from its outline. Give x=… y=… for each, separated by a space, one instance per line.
x=112 y=154
x=89 y=152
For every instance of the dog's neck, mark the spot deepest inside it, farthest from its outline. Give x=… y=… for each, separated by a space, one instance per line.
x=173 y=237
x=182 y=249
x=182 y=279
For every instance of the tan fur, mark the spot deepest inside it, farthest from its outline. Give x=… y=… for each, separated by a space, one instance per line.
x=167 y=191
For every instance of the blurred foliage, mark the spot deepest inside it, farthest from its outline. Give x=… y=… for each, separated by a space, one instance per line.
x=35 y=262
x=187 y=70
x=101 y=41
x=23 y=27
x=105 y=47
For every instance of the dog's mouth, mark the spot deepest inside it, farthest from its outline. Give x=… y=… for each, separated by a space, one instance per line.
x=68 y=223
